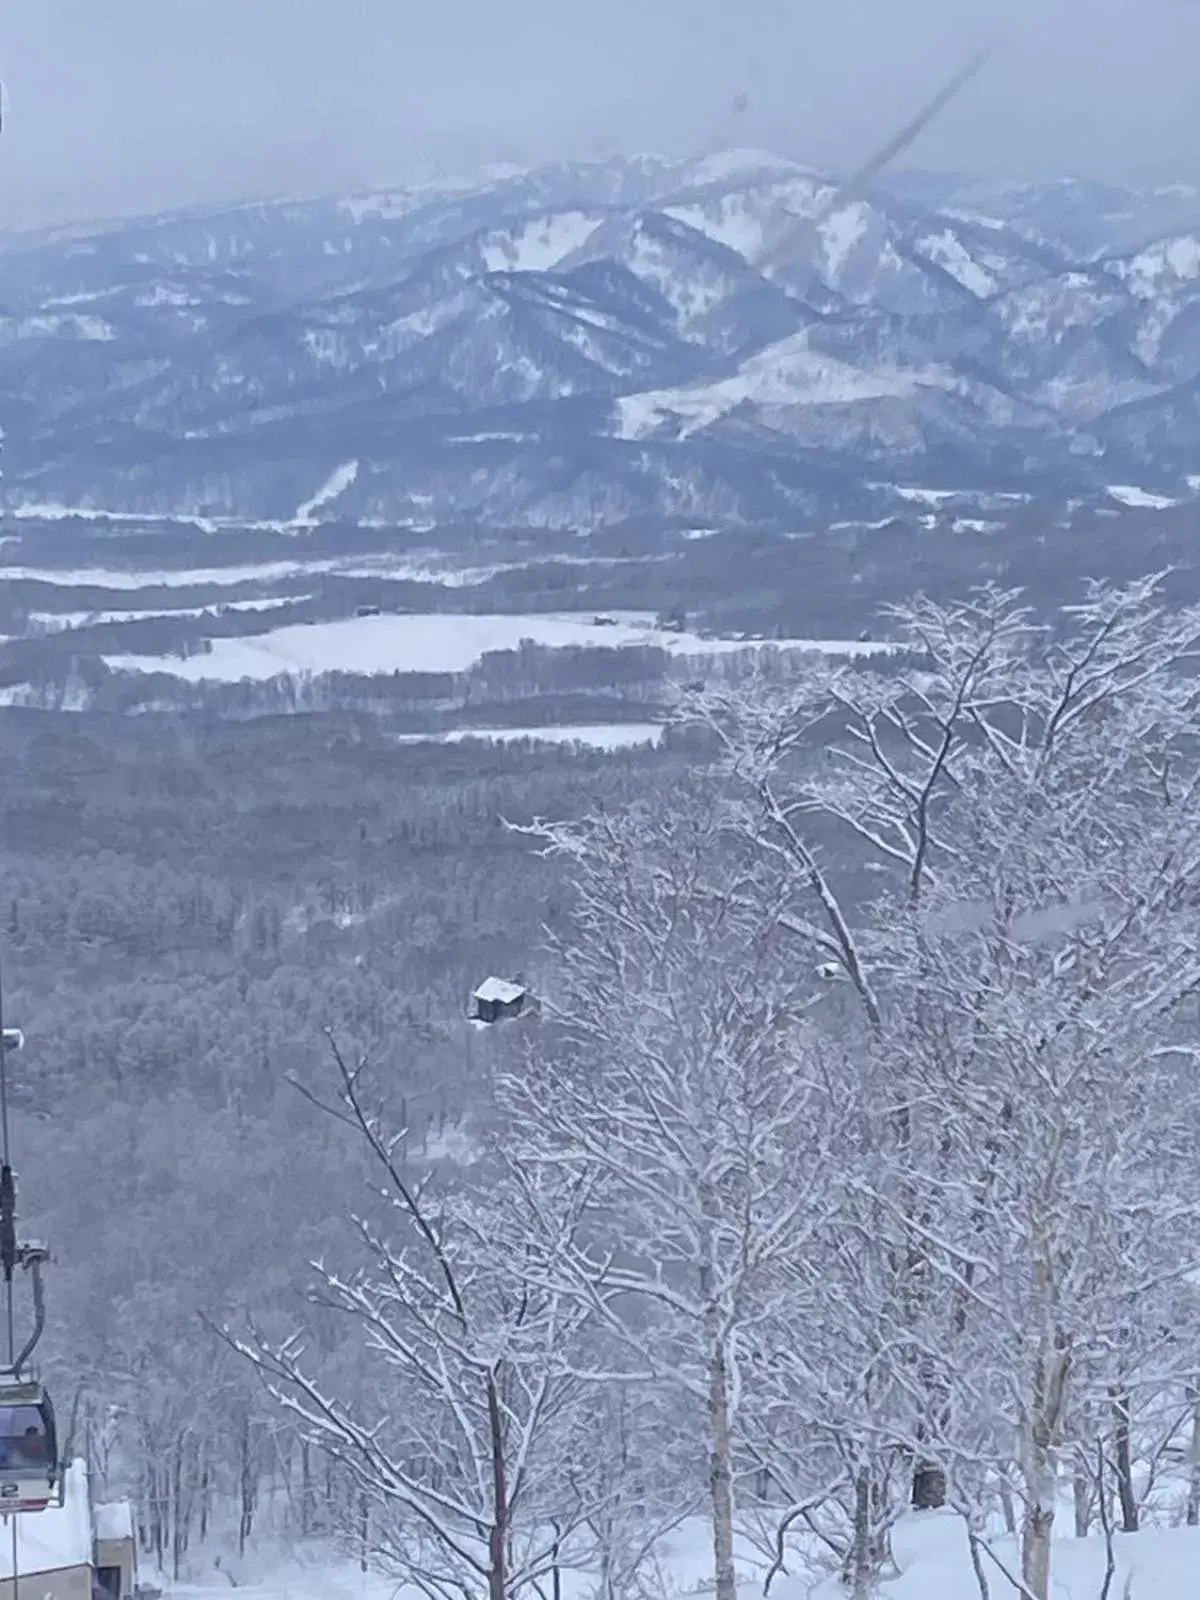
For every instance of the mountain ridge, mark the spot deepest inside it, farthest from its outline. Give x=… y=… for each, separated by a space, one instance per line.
x=584 y=342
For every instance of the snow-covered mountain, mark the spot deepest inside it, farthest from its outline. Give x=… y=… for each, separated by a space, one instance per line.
x=585 y=343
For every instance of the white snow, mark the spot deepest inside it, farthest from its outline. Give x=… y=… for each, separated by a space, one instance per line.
x=1152 y=270
x=163 y=294
x=91 y=619
x=428 y=566
x=934 y=1563
x=929 y=497
x=295 y=1581
x=64 y=325
x=55 y=511
x=541 y=243
x=599 y=736
x=930 y=1549
x=840 y=231
x=787 y=373
x=436 y=643
x=731 y=220
x=726 y=165
x=947 y=251
x=165 y=578
x=60 y=1536
x=338 y=481
x=500 y=990
x=1130 y=495
x=114 y=1520
x=488 y=438
x=264 y=571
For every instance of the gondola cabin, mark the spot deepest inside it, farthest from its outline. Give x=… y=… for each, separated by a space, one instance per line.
x=29 y=1468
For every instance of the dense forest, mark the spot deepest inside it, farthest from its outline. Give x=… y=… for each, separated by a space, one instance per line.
x=844 y=1164
x=186 y=908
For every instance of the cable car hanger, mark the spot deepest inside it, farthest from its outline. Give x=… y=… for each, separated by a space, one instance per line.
x=32 y=1476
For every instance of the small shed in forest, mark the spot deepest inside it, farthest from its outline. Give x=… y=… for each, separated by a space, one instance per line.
x=498 y=998
x=115 y=1550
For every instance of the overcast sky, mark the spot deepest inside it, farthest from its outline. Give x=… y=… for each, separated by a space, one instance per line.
x=118 y=105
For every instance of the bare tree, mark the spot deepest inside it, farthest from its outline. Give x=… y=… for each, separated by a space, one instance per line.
x=1012 y=815
x=680 y=1080
x=463 y=1449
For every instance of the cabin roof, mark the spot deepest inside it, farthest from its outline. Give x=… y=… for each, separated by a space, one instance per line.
x=113 y=1521
x=499 y=989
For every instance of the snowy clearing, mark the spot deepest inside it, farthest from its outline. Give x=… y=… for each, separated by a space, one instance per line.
x=839 y=232
x=163 y=578
x=1130 y=495
x=92 y=619
x=541 y=243
x=784 y=374
x=438 y=643
x=430 y=567
x=381 y=567
x=947 y=251
x=928 y=497
x=338 y=481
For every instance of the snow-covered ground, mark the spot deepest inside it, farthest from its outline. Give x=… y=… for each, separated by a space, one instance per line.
x=932 y=1562
x=1128 y=494
x=436 y=643
x=434 y=567
x=787 y=373
x=83 y=619
x=601 y=735
x=332 y=489
x=290 y=1580
x=130 y=580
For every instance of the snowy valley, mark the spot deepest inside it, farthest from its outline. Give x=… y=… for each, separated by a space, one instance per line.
x=579 y=344
x=750 y=644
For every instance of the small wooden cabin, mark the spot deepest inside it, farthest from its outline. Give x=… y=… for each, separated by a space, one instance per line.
x=497 y=998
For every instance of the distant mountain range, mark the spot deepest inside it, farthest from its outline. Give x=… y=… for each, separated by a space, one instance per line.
x=586 y=344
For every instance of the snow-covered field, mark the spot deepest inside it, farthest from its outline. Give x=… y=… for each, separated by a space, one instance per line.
x=933 y=1563
x=434 y=643
x=131 y=580
x=85 y=619
x=433 y=567
x=600 y=736
x=1128 y=494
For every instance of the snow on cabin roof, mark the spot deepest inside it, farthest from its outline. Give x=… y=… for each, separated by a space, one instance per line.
x=113 y=1521
x=60 y=1536
x=499 y=989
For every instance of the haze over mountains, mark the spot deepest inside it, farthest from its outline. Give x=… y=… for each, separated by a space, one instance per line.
x=581 y=344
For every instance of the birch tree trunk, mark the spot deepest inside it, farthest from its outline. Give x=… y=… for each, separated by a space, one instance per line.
x=1039 y=1469
x=721 y=1474
x=1193 y=1504
x=1122 y=1451
x=862 y=1551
